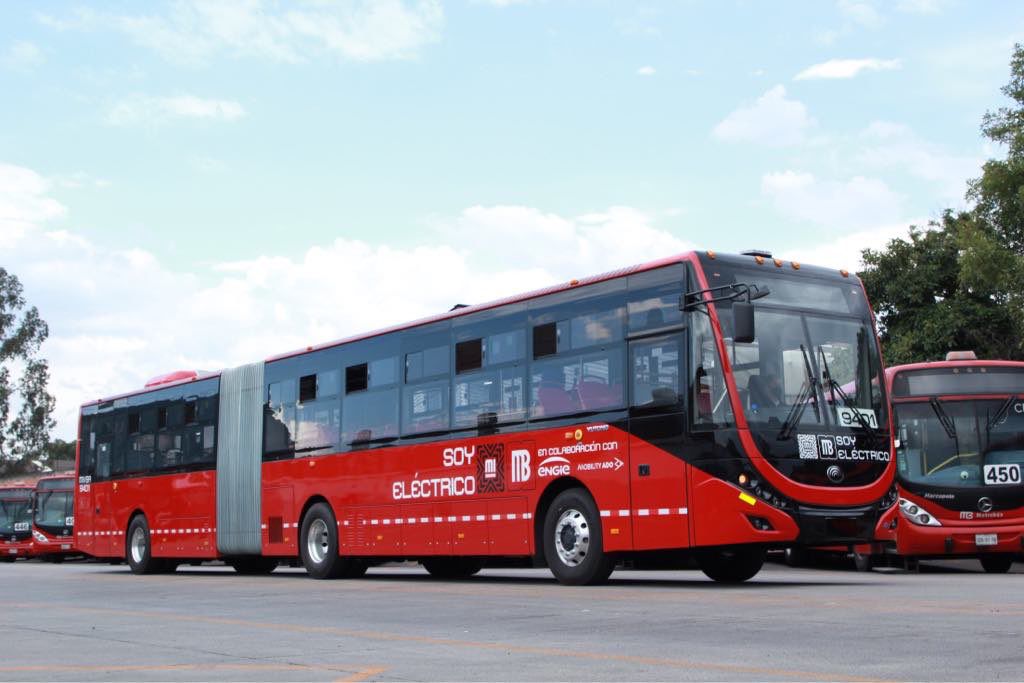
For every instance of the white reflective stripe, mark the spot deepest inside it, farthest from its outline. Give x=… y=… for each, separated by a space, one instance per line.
x=527 y=515
x=400 y=520
x=624 y=513
x=606 y=513
x=495 y=518
x=411 y=520
x=374 y=521
x=345 y=522
x=438 y=520
x=452 y=518
x=664 y=511
x=385 y=521
x=643 y=512
x=481 y=518
x=683 y=511
x=510 y=515
x=425 y=520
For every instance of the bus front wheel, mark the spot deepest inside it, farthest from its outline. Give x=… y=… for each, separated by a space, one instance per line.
x=996 y=564
x=732 y=565
x=573 y=545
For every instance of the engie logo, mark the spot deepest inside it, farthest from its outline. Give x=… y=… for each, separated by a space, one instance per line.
x=553 y=467
x=520 y=465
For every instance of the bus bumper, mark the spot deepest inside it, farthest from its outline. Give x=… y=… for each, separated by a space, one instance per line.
x=937 y=541
x=836 y=526
x=15 y=549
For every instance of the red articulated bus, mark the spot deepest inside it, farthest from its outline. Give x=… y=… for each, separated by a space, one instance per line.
x=667 y=412
x=53 y=517
x=959 y=452
x=15 y=521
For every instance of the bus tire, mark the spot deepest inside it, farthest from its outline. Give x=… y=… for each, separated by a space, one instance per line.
x=254 y=566
x=996 y=564
x=573 y=544
x=452 y=567
x=139 y=548
x=731 y=565
x=318 y=545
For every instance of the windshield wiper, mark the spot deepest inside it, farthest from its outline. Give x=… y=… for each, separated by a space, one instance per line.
x=806 y=392
x=944 y=419
x=1000 y=414
x=834 y=387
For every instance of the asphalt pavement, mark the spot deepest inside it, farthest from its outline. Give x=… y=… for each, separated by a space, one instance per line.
x=87 y=621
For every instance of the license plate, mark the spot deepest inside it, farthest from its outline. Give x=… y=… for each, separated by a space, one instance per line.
x=12 y=551
x=65 y=546
x=986 y=539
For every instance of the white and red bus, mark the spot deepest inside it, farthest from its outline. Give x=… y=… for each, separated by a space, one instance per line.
x=960 y=455
x=53 y=517
x=15 y=521
x=664 y=412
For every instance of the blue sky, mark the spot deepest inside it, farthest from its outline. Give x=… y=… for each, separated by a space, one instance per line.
x=199 y=184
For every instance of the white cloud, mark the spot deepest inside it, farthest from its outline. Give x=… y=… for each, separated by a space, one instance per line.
x=645 y=71
x=197 y=31
x=846 y=68
x=921 y=6
x=24 y=205
x=119 y=316
x=854 y=204
x=891 y=145
x=860 y=12
x=772 y=120
x=22 y=55
x=845 y=251
x=142 y=109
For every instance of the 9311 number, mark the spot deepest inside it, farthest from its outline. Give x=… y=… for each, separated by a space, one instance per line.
x=1002 y=474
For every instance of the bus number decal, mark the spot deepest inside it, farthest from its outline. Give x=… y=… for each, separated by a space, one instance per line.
x=1002 y=474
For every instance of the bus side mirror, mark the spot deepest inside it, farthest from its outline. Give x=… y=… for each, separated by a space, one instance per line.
x=743 y=322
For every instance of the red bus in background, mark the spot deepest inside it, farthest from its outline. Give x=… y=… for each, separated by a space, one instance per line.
x=960 y=455
x=15 y=521
x=53 y=517
x=663 y=413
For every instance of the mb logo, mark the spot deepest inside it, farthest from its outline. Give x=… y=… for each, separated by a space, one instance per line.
x=520 y=465
x=827 y=447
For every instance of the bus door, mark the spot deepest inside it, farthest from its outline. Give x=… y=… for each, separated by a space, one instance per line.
x=94 y=513
x=657 y=477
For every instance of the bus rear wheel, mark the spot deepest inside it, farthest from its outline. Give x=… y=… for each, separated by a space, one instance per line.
x=452 y=567
x=253 y=566
x=318 y=547
x=731 y=565
x=573 y=545
x=996 y=564
x=139 y=550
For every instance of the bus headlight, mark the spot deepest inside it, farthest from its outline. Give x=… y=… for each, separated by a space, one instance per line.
x=916 y=514
x=38 y=536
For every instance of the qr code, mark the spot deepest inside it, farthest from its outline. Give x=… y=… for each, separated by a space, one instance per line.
x=808 y=444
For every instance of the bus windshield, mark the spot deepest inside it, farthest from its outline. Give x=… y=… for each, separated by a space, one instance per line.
x=950 y=443
x=14 y=513
x=54 y=509
x=814 y=364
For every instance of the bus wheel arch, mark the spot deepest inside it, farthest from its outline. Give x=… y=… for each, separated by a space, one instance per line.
x=139 y=547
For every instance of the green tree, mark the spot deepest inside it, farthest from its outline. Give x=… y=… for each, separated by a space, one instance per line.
x=924 y=307
x=25 y=438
